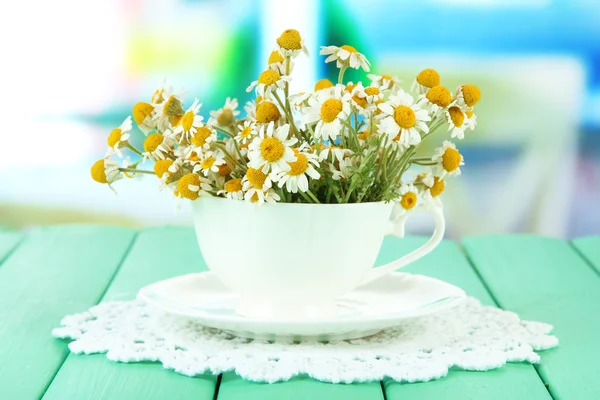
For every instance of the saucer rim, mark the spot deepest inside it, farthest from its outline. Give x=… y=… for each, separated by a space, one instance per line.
x=446 y=302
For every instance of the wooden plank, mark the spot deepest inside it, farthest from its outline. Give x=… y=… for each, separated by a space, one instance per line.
x=446 y=262
x=546 y=279
x=513 y=381
x=8 y=242
x=157 y=254
x=54 y=271
x=589 y=248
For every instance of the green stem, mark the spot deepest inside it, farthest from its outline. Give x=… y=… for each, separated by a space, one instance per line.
x=308 y=199
x=136 y=151
x=224 y=131
x=341 y=75
x=313 y=197
x=288 y=115
x=140 y=171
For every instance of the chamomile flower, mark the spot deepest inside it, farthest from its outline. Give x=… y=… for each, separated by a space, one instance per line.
x=291 y=43
x=162 y=93
x=436 y=98
x=323 y=84
x=161 y=169
x=106 y=171
x=345 y=56
x=189 y=123
x=426 y=79
x=127 y=164
x=276 y=62
x=365 y=99
x=189 y=155
x=169 y=112
x=256 y=184
x=233 y=189
x=267 y=112
x=191 y=186
x=300 y=99
x=471 y=120
x=143 y=115
x=210 y=162
x=409 y=198
x=467 y=95
x=268 y=82
x=226 y=115
x=434 y=186
x=456 y=122
x=271 y=150
x=344 y=169
x=448 y=160
x=295 y=178
x=157 y=145
x=384 y=82
x=119 y=136
x=327 y=111
x=332 y=153
x=203 y=136
x=247 y=132
x=402 y=119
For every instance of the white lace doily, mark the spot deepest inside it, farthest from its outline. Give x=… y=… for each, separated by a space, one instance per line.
x=469 y=336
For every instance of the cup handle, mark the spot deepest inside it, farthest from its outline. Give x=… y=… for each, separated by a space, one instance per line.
x=396 y=228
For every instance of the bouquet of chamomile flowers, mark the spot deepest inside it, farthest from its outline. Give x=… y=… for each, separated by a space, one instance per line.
x=347 y=142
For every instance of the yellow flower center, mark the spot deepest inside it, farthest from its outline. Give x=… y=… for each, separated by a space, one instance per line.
x=290 y=40
x=152 y=142
x=349 y=49
x=224 y=169
x=256 y=177
x=350 y=87
x=268 y=77
x=162 y=167
x=188 y=120
x=405 y=117
x=388 y=77
x=267 y=112
x=438 y=187
x=194 y=156
x=234 y=185
x=271 y=149
x=258 y=100
x=409 y=200
x=174 y=110
x=200 y=136
x=372 y=91
x=439 y=95
x=275 y=57
x=471 y=94
x=246 y=132
x=330 y=109
x=457 y=116
x=428 y=78
x=254 y=198
x=207 y=163
x=360 y=101
x=364 y=135
x=300 y=165
x=183 y=186
x=98 y=173
x=226 y=117
x=469 y=113
x=451 y=159
x=114 y=137
x=140 y=111
x=323 y=84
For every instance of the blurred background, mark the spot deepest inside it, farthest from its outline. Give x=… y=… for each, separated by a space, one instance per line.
x=72 y=70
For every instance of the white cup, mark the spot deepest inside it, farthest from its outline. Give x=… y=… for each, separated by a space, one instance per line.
x=292 y=260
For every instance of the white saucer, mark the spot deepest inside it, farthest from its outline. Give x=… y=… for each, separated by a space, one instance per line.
x=364 y=311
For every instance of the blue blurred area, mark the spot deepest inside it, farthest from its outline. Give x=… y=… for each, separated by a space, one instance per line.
x=533 y=163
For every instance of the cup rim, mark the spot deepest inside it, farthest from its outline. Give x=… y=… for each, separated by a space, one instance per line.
x=291 y=205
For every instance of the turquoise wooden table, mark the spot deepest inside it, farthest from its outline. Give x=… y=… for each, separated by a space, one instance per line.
x=53 y=271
